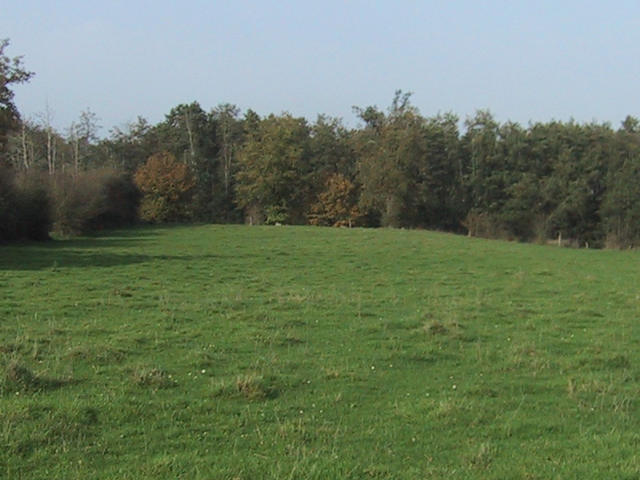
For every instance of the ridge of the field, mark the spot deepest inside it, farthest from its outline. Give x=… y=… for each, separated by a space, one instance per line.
x=314 y=353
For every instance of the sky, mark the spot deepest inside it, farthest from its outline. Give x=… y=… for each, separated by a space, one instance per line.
x=522 y=60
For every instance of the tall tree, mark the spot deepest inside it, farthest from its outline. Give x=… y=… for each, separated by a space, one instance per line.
x=189 y=133
x=12 y=72
x=229 y=134
x=273 y=168
x=129 y=147
x=81 y=135
x=332 y=151
x=391 y=153
x=439 y=201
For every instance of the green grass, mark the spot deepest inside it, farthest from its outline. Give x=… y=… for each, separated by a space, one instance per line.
x=306 y=353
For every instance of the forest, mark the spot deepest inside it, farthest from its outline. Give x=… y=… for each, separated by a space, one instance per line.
x=576 y=184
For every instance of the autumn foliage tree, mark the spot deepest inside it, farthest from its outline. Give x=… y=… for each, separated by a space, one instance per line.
x=337 y=205
x=166 y=185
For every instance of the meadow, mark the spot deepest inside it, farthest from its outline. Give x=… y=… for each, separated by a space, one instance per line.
x=236 y=352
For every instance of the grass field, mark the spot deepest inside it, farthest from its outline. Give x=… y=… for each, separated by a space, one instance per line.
x=232 y=352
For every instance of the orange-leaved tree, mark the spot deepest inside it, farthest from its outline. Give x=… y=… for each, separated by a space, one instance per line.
x=166 y=185
x=337 y=205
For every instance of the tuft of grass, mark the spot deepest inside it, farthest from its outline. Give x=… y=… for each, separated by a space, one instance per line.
x=155 y=378
x=18 y=378
x=250 y=386
x=449 y=328
x=483 y=457
x=97 y=354
x=436 y=328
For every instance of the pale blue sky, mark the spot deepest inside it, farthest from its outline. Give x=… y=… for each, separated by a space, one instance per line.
x=523 y=60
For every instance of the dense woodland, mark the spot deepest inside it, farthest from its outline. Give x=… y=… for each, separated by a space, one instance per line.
x=578 y=183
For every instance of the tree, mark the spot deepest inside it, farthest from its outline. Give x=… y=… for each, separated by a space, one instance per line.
x=332 y=151
x=82 y=135
x=12 y=72
x=337 y=205
x=229 y=134
x=46 y=119
x=576 y=186
x=621 y=205
x=126 y=149
x=166 y=185
x=391 y=149
x=437 y=200
x=189 y=133
x=273 y=168
x=484 y=169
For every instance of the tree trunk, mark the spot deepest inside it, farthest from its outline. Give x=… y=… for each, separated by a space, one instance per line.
x=192 y=150
x=25 y=154
x=49 y=152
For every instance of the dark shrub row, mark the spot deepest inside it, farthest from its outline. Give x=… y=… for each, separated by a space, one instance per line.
x=25 y=212
x=33 y=204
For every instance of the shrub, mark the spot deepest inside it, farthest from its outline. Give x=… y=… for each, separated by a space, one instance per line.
x=34 y=205
x=24 y=207
x=481 y=224
x=121 y=200
x=92 y=201
x=7 y=206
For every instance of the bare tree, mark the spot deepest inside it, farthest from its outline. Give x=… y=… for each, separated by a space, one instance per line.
x=81 y=134
x=229 y=130
x=46 y=119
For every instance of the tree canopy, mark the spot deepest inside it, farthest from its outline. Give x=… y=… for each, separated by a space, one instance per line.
x=397 y=168
x=12 y=72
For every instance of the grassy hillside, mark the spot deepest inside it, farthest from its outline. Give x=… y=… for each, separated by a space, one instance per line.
x=255 y=352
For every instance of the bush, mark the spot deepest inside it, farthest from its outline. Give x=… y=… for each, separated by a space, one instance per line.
x=34 y=205
x=480 y=224
x=7 y=206
x=121 y=199
x=75 y=201
x=25 y=212
x=92 y=201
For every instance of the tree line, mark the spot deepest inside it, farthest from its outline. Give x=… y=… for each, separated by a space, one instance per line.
x=577 y=183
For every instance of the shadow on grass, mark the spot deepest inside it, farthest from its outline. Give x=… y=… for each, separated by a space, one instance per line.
x=58 y=259
x=111 y=250
x=82 y=252
x=18 y=378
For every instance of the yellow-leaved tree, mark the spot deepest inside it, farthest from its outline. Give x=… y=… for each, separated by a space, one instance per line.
x=337 y=205
x=166 y=185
